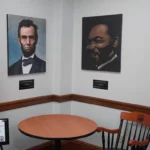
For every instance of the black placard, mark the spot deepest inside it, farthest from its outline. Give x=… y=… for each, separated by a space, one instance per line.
x=4 y=131
x=26 y=84
x=100 y=84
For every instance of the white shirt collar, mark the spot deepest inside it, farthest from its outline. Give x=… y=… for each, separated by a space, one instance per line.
x=26 y=69
x=109 y=61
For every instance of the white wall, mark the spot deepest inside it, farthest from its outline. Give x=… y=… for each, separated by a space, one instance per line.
x=57 y=79
x=64 y=76
x=45 y=83
x=103 y=116
x=67 y=41
x=18 y=141
x=132 y=83
x=63 y=71
x=9 y=86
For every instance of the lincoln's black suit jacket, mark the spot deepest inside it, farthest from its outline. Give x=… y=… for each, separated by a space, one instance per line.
x=38 y=66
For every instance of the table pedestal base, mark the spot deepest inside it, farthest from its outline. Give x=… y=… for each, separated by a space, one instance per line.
x=57 y=144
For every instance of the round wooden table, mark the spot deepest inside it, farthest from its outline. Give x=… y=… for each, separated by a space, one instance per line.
x=57 y=127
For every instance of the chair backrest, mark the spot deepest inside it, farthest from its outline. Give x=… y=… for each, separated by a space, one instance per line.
x=134 y=126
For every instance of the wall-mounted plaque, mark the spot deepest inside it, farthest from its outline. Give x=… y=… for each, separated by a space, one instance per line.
x=100 y=84
x=26 y=84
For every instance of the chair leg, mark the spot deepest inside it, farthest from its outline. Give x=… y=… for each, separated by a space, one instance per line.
x=133 y=148
x=1 y=147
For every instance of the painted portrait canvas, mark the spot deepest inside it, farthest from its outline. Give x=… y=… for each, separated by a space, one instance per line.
x=101 y=43
x=26 y=44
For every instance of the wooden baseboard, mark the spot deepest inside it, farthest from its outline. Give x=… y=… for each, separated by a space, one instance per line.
x=67 y=145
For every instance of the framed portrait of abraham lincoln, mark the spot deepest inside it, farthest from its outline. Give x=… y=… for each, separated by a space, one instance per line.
x=101 y=43
x=26 y=44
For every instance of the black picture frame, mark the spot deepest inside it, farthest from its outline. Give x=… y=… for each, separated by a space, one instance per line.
x=98 y=56
x=4 y=131
x=14 y=48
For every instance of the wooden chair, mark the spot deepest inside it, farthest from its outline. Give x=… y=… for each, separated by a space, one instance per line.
x=132 y=134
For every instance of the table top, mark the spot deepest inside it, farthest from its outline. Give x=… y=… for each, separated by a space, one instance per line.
x=57 y=126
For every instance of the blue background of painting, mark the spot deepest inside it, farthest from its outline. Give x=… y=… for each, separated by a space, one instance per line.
x=14 y=50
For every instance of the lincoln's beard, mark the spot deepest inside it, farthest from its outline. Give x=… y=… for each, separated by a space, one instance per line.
x=28 y=53
x=103 y=55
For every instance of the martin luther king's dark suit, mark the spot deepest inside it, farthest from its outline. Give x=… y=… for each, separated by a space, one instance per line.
x=38 y=66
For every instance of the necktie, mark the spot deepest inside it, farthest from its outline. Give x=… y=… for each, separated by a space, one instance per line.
x=27 y=61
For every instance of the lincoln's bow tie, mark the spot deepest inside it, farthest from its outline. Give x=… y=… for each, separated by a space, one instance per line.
x=27 y=61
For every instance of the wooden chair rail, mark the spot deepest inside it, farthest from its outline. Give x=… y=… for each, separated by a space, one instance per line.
x=4 y=106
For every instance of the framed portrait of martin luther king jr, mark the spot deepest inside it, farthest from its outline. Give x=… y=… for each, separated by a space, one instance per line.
x=26 y=44
x=101 y=43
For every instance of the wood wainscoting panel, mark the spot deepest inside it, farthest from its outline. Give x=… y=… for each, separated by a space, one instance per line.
x=67 y=145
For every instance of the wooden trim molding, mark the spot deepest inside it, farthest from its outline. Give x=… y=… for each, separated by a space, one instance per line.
x=4 y=106
x=67 y=145
x=111 y=103
x=25 y=102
